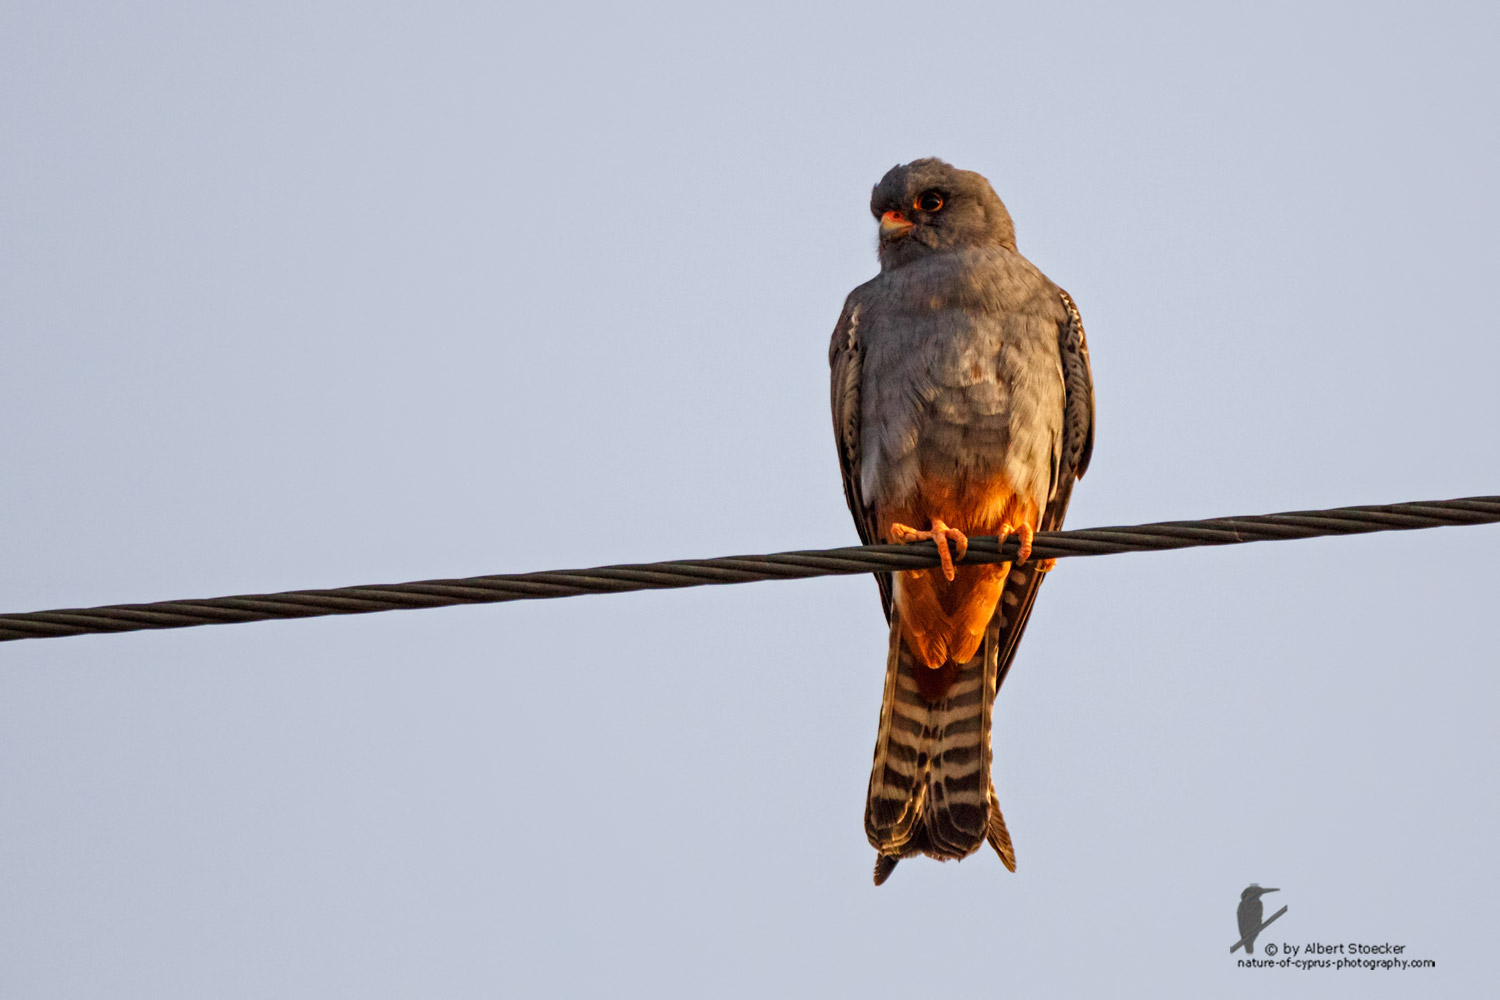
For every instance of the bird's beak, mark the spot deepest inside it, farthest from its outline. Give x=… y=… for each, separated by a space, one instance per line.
x=894 y=224
x=1264 y=891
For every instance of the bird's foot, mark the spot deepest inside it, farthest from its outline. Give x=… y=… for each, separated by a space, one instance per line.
x=1024 y=532
x=942 y=535
x=1046 y=565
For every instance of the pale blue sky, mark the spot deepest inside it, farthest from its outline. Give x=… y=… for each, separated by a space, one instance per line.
x=311 y=294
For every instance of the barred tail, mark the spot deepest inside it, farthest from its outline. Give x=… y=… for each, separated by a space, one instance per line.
x=930 y=790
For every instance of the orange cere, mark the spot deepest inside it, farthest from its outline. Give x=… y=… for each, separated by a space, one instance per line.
x=944 y=621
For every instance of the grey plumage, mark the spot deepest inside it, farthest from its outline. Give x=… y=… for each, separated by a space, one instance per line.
x=959 y=369
x=964 y=345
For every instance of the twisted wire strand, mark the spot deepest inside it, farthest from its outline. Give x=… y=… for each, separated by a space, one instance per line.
x=741 y=569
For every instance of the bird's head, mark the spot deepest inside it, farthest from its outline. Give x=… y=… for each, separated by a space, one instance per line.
x=927 y=206
x=1253 y=891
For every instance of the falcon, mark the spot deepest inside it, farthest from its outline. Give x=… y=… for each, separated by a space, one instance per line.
x=963 y=404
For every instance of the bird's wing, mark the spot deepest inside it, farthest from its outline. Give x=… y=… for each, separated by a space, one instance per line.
x=1070 y=462
x=1248 y=916
x=845 y=357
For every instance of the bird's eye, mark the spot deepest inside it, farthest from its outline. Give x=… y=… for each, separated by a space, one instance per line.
x=928 y=201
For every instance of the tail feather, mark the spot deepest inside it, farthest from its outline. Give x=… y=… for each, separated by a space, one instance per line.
x=998 y=835
x=930 y=790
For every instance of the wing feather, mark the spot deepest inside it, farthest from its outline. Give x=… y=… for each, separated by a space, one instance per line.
x=845 y=357
x=1074 y=452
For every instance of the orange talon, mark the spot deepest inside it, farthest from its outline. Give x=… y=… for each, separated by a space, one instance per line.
x=1025 y=533
x=1046 y=565
x=942 y=535
x=1024 y=552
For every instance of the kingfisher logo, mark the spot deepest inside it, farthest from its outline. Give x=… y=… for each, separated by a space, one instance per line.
x=1249 y=914
x=1280 y=953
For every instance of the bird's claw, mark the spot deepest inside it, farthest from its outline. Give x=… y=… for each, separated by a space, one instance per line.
x=940 y=534
x=1024 y=534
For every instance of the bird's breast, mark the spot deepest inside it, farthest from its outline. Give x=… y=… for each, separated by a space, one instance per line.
x=937 y=408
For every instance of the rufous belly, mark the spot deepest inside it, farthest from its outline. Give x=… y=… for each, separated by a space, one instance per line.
x=943 y=621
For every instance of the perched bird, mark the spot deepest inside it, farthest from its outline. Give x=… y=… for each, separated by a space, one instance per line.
x=1249 y=914
x=963 y=405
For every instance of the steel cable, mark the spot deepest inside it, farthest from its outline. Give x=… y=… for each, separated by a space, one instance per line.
x=740 y=569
